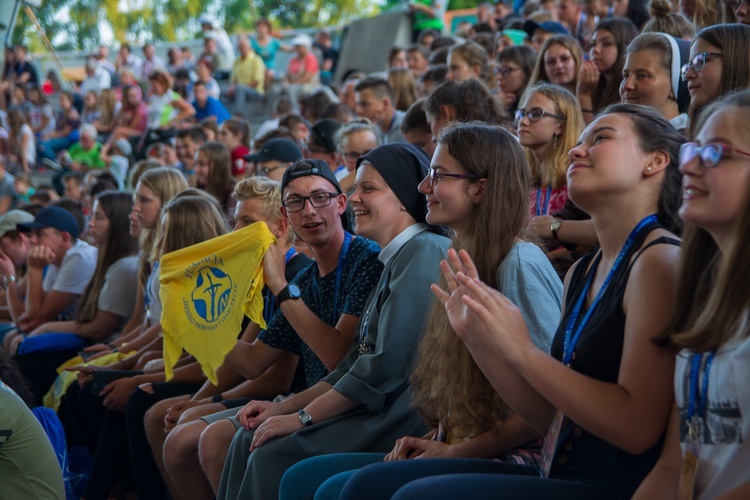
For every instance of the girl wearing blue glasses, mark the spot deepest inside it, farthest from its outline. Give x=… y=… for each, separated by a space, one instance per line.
x=709 y=427
x=719 y=63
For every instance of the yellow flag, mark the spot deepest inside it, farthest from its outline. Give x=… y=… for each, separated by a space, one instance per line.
x=205 y=291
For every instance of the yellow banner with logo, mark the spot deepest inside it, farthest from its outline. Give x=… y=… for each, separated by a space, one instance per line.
x=206 y=290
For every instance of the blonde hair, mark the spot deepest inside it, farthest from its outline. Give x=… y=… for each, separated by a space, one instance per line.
x=540 y=72
x=403 y=86
x=263 y=188
x=165 y=183
x=551 y=171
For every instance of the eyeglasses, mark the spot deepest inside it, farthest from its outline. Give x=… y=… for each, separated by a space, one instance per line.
x=267 y=170
x=434 y=176
x=709 y=154
x=536 y=114
x=317 y=200
x=504 y=71
x=354 y=155
x=697 y=63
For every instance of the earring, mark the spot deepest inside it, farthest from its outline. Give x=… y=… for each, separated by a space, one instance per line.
x=554 y=142
x=648 y=169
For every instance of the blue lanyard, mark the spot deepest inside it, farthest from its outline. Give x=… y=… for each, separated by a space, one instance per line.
x=339 y=271
x=270 y=302
x=571 y=338
x=695 y=368
x=539 y=198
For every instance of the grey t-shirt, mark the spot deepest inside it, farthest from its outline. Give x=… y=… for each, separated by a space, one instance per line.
x=117 y=295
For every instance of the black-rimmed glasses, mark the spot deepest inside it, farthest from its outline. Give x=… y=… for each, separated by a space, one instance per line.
x=434 y=176
x=536 y=114
x=317 y=200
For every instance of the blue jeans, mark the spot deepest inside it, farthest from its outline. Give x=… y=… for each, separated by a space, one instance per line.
x=303 y=479
x=49 y=149
x=464 y=478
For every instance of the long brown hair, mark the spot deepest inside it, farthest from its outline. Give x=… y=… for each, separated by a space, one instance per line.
x=712 y=293
x=448 y=385
x=623 y=32
x=116 y=205
x=220 y=182
x=191 y=220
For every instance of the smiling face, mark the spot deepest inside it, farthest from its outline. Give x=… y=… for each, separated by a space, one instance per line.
x=713 y=198
x=646 y=81
x=99 y=224
x=450 y=202
x=146 y=207
x=379 y=214
x=704 y=86
x=560 y=65
x=607 y=161
x=315 y=226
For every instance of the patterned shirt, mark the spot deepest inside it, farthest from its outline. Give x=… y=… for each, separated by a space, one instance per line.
x=360 y=275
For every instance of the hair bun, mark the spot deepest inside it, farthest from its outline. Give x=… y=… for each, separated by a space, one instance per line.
x=660 y=8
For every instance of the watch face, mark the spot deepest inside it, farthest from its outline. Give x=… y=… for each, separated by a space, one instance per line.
x=294 y=291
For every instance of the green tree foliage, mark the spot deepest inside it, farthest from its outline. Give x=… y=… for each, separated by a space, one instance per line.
x=77 y=24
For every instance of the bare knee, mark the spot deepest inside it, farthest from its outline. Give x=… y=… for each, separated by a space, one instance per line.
x=181 y=445
x=214 y=444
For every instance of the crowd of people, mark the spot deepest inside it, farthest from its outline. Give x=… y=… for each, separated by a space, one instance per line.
x=508 y=265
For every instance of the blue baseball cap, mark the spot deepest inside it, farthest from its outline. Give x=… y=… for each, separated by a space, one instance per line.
x=550 y=26
x=55 y=217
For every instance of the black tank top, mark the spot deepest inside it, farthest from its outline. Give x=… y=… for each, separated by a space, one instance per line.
x=580 y=455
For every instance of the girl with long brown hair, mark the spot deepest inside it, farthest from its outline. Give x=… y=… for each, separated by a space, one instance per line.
x=710 y=322
x=478 y=187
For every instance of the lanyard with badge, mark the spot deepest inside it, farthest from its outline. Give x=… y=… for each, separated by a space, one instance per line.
x=696 y=422
x=339 y=270
x=574 y=328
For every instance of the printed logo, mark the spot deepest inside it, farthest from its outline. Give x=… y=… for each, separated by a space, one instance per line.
x=211 y=293
x=212 y=297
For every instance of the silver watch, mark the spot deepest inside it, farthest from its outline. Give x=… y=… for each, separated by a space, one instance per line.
x=7 y=280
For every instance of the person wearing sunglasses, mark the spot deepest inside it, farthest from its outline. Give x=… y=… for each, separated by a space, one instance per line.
x=707 y=435
x=719 y=64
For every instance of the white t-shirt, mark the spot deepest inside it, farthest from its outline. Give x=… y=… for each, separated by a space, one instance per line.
x=724 y=461
x=30 y=152
x=73 y=275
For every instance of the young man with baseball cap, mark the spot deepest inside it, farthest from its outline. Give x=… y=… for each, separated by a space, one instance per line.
x=14 y=252
x=320 y=307
x=275 y=157
x=54 y=242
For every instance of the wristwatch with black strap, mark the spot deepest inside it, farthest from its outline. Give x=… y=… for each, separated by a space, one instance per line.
x=290 y=292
